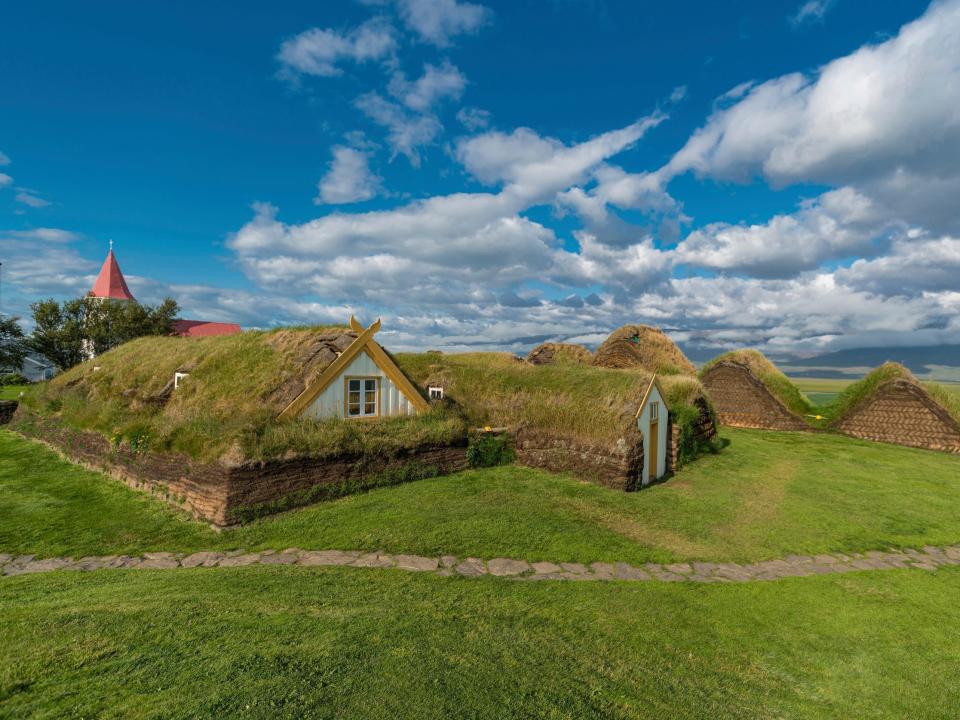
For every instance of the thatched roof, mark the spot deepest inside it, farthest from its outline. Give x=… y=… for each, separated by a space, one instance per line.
x=559 y=354
x=237 y=386
x=778 y=384
x=644 y=347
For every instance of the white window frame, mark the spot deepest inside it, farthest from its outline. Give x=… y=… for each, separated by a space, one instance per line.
x=179 y=377
x=364 y=397
x=654 y=411
x=435 y=392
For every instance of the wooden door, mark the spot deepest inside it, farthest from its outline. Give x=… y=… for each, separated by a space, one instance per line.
x=654 y=443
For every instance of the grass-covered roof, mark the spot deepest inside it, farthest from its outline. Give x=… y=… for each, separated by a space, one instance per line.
x=227 y=408
x=559 y=354
x=778 y=384
x=854 y=394
x=645 y=347
x=499 y=389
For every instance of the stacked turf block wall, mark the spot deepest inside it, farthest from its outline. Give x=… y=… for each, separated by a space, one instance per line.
x=742 y=400
x=901 y=412
x=225 y=495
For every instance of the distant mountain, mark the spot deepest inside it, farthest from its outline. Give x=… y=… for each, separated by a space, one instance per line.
x=917 y=359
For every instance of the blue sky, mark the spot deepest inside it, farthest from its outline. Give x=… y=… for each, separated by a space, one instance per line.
x=773 y=174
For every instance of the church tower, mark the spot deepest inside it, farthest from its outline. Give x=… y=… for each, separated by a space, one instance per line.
x=110 y=283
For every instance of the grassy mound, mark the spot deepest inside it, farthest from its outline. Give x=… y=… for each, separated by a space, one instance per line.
x=779 y=385
x=858 y=391
x=590 y=403
x=228 y=405
x=642 y=346
x=560 y=354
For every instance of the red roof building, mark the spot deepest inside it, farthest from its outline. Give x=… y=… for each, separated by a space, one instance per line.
x=110 y=283
x=201 y=328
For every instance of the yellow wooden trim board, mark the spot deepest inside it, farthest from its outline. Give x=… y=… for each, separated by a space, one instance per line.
x=646 y=396
x=366 y=342
x=389 y=367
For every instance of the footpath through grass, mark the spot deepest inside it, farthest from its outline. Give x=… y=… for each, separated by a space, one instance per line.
x=347 y=643
x=765 y=496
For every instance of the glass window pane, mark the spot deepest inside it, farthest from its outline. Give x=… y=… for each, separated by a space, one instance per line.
x=353 y=409
x=370 y=409
x=371 y=385
x=354 y=385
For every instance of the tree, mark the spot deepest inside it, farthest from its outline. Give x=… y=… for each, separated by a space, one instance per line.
x=12 y=349
x=68 y=333
x=59 y=331
x=113 y=322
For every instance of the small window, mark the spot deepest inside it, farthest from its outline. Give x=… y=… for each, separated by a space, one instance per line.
x=178 y=377
x=435 y=392
x=363 y=397
x=654 y=411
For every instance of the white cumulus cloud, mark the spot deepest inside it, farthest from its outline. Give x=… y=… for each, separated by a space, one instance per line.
x=885 y=112
x=438 y=21
x=320 y=51
x=349 y=178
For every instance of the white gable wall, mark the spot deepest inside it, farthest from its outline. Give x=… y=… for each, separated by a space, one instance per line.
x=330 y=403
x=643 y=424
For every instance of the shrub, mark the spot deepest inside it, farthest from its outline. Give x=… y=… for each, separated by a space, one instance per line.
x=489 y=450
x=13 y=378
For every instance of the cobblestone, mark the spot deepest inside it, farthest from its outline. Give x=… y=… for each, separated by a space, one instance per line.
x=929 y=559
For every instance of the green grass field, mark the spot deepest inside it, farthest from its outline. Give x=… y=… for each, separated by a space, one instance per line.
x=11 y=392
x=764 y=496
x=348 y=643
x=272 y=642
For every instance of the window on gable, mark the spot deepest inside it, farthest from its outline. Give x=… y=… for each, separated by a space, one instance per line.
x=654 y=411
x=363 y=395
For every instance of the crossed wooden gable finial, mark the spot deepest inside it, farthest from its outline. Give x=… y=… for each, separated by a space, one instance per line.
x=364 y=342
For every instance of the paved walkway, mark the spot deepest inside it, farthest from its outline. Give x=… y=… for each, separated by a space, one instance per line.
x=930 y=558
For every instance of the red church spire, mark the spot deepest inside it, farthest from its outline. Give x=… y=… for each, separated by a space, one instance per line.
x=110 y=282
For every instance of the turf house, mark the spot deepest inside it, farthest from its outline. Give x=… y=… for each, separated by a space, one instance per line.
x=590 y=421
x=235 y=426
x=889 y=405
x=644 y=347
x=748 y=391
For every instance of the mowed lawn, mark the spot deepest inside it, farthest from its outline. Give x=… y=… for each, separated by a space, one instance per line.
x=274 y=642
x=11 y=392
x=765 y=495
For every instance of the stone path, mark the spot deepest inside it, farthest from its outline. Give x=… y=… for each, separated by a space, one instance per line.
x=930 y=558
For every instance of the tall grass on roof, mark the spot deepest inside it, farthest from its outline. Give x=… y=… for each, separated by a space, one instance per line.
x=645 y=347
x=779 y=385
x=560 y=354
x=499 y=389
x=227 y=407
x=853 y=394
